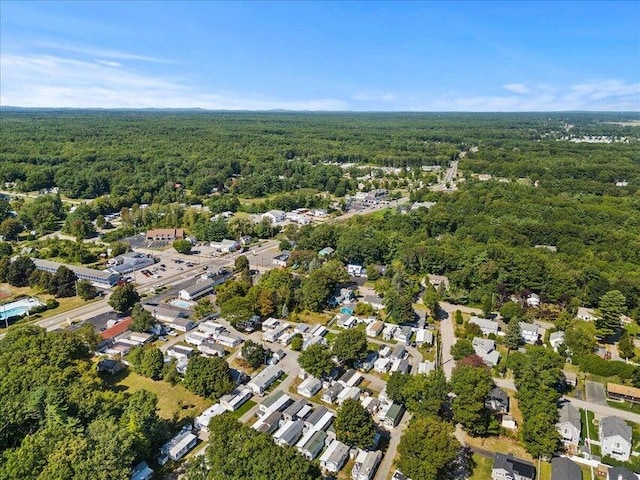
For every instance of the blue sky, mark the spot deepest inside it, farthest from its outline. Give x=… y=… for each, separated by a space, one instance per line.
x=388 y=56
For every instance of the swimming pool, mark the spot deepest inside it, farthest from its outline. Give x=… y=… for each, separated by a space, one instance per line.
x=19 y=307
x=185 y=304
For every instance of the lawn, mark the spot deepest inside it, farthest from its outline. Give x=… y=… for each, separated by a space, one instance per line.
x=313 y=318
x=248 y=405
x=172 y=400
x=626 y=406
x=593 y=429
x=482 y=470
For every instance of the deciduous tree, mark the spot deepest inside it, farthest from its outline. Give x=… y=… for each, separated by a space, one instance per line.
x=316 y=361
x=354 y=425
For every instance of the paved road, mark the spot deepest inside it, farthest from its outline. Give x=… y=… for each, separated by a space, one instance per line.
x=600 y=411
x=447 y=334
x=390 y=455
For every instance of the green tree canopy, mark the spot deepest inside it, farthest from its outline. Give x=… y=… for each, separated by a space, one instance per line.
x=611 y=307
x=142 y=320
x=350 y=346
x=254 y=353
x=316 y=360
x=124 y=298
x=354 y=425
x=208 y=377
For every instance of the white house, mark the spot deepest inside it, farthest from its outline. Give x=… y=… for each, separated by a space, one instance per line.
x=348 y=393
x=403 y=334
x=389 y=331
x=236 y=399
x=334 y=457
x=530 y=332
x=424 y=336
x=533 y=300
x=312 y=443
x=197 y=290
x=196 y=338
x=366 y=465
x=228 y=340
x=569 y=426
x=264 y=379
x=426 y=367
x=355 y=270
x=177 y=447
x=201 y=422
x=487 y=326
x=274 y=216
x=374 y=329
x=556 y=339
x=309 y=387
x=615 y=438
x=289 y=433
x=586 y=314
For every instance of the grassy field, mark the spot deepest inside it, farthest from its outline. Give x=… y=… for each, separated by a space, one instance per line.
x=482 y=471
x=626 y=406
x=172 y=400
x=248 y=405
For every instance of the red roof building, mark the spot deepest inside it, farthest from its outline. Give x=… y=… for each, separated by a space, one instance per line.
x=117 y=329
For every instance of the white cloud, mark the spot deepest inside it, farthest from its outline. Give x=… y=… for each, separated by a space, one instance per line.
x=374 y=97
x=91 y=51
x=603 y=95
x=53 y=81
x=517 y=88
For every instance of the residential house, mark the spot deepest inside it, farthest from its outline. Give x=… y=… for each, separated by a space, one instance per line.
x=319 y=419
x=309 y=387
x=228 y=340
x=530 y=332
x=312 y=443
x=110 y=366
x=392 y=416
x=348 y=308
x=403 y=335
x=274 y=334
x=497 y=401
x=331 y=394
x=621 y=473
x=326 y=251
x=402 y=366
x=355 y=270
x=277 y=356
x=335 y=457
x=367 y=363
x=623 y=392
x=141 y=472
x=264 y=379
x=533 y=300
x=201 y=422
x=486 y=350
x=556 y=339
x=564 y=469
x=382 y=365
x=508 y=467
x=437 y=280
x=426 y=367
x=570 y=379
x=424 y=337
x=350 y=378
x=232 y=401
x=276 y=402
x=196 y=338
x=274 y=216
x=374 y=300
x=177 y=447
x=384 y=351
x=366 y=465
x=488 y=327
x=389 y=331
x=281 y=259
x=268 y=423
x=508 y=422
x=211 y=349
x=348 y=393
x=270 y=323
x=399 y=352
x=292 y=412
x=346 y=321
x=615 y=438
x=165 y=234
x=586 y=314
x=163 y=314
x=179 y=351
x=374 y=329
x=569 y=426
x=182 y=324
x=289 y=433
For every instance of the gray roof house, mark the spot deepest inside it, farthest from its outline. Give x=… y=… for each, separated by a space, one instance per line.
x=487 y=326
x=530 y=332
x=569 y=425
x=366 y=469
x=497 y=401
x=291 y=412
x=510 y=467
x=621 y=473
x=319 y=419
x=269 y=423
x=276 y=402
x=331 y=394
x=334 y=457
x=399 y=352
x=615 y=438
x=289 y=433
x=564 y=469
x=264 y=379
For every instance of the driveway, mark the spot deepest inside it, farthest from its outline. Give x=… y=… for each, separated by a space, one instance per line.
x=596 y=393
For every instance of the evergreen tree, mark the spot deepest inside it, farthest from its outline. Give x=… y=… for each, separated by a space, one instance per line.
x=513 y=337
x=611 y=307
